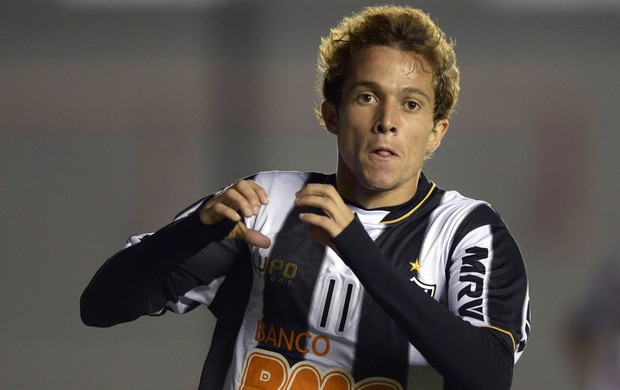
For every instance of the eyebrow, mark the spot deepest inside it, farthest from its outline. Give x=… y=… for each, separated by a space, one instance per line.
x=416 y=91
x=376 y=86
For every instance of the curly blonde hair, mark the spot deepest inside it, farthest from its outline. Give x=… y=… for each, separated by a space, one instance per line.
x=400 y=27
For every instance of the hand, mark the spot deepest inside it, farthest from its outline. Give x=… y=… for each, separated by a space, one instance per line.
x=245 y=197
x=336 y=214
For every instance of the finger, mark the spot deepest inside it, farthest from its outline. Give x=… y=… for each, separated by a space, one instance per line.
x=260 y=191
x=331 y=228
x=247 y=205
x=250 y=236
x=258 y=239
x=240 y=196
x=218 y=206
x=226 y=212
x=325 y=194
x=334 y=208
x=250 y=196
x=326 y=198
x=319 y=202
x=326 y=190
x=230 y=198
x=214 y=213
x=244 y=196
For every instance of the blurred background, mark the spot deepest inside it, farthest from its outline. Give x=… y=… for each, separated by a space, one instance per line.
x=116 y=114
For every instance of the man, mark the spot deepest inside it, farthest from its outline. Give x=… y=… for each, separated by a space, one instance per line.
x=368 y=278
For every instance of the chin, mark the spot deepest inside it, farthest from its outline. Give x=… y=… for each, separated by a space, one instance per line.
x=379 y=185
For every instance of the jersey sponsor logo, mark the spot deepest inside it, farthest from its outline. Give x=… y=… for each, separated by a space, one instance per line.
x=275 y=270
x=270 y=371
x=301 y=342
x=472 y=273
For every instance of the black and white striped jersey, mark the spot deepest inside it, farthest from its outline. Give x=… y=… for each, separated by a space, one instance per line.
x=436 y=285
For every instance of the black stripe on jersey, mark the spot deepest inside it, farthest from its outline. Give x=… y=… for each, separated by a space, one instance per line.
x=345 y=309
x=504 y=290
x=328 y=302
x=229 y=306
x=286 y=306
x=382 y=349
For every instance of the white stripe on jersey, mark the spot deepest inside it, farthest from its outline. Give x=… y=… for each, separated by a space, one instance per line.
x=480 y=237
x=202 y=294
x=335 y=279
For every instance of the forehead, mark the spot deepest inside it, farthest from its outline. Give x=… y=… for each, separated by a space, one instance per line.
x=390 y=66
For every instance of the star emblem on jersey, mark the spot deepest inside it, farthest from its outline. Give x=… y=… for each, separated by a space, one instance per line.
x=415 y=266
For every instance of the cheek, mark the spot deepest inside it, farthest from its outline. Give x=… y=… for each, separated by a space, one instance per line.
x=419 y=148
x=346 y=146
x=347 y=137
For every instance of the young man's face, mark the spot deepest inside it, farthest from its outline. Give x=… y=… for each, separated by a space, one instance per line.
x=384 y=125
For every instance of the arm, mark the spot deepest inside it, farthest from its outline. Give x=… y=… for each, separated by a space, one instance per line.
x=123 y=287
x=467 y=356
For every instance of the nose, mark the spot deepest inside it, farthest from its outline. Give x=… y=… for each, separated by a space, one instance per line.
x=386 y=120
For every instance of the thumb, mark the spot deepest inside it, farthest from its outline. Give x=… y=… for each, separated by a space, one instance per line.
x=252 y=237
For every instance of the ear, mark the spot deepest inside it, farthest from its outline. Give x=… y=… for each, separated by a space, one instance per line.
x=330 y=116
x=440 y=129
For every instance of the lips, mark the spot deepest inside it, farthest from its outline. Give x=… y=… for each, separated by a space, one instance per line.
x=384 y=152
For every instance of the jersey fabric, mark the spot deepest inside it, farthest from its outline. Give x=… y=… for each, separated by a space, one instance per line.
x=435 y=285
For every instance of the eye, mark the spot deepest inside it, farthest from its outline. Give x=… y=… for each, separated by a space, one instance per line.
x=365 y=98
x=412 y=105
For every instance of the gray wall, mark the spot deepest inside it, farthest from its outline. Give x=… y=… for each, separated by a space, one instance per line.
x=112 y=120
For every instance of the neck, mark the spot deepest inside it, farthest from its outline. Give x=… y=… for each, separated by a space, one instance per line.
x=354 y=190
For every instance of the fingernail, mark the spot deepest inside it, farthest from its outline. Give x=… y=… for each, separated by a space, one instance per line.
x=256 y=209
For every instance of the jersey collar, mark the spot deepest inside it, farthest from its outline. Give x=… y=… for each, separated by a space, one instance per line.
x=394 y=214
x=424 y=192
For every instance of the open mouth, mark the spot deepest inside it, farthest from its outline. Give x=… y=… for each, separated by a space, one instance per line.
x=384 y=152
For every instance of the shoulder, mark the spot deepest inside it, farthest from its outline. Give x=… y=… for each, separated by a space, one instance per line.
x=457 y=208
x=457 y=215
x=472 y=222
